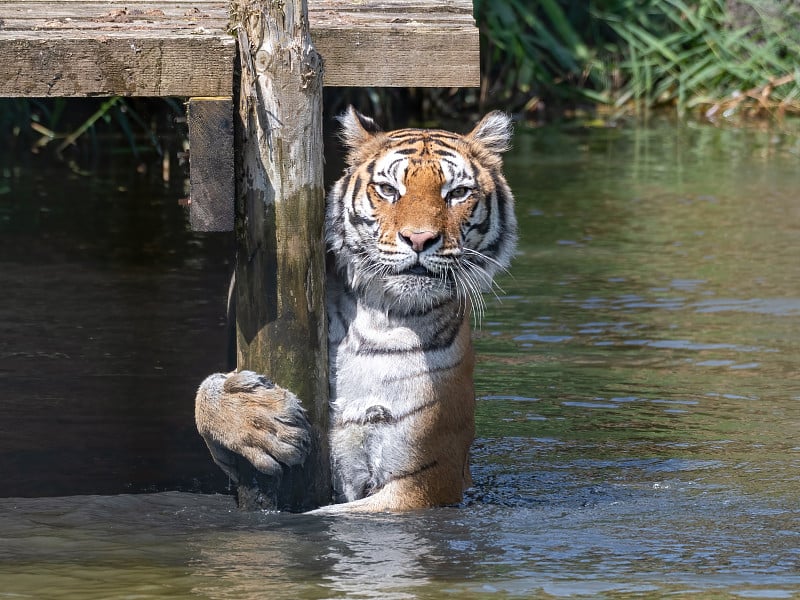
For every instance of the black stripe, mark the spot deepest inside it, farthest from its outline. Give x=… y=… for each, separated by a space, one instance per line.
x=438 y=136
x=439 y=145
x=356 y=188
x=443 y=338
x=503 y=206
x=357 y=220
x=405 y=475
x=452 y=163
x=353 y=217
x=343 y=183
x=481 y=226
x=447 y=145
x=393 y=167
x=406 y=134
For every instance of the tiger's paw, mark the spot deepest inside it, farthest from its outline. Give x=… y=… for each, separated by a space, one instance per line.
x=246 y=414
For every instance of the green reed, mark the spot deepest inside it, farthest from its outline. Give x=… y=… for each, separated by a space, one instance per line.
x=721 y=57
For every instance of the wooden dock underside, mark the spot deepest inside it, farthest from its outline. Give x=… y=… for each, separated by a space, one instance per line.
x=70 y=48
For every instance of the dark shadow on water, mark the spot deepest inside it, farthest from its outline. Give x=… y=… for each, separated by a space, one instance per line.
x=111 y=315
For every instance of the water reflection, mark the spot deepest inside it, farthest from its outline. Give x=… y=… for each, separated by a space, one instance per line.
x=638 y=417
x=619 y=539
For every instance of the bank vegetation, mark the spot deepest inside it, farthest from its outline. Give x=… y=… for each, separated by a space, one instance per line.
x=717 y=60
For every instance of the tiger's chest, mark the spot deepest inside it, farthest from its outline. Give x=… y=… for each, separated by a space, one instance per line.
x=395 y=384
x=396 y=362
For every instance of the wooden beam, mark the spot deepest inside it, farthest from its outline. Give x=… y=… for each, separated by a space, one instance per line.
x=47 y=64
x=211 y=176
x=281 y=327
x=410 y=57
x=183 y=47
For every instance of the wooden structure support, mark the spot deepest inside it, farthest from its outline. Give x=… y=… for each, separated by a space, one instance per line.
x=183 y=47
x=211 y=176
x=281 y=327
x=253 y=70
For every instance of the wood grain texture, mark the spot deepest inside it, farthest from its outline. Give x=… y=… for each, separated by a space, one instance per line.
x=211 y=178
x=183 y=47
x=281 y=326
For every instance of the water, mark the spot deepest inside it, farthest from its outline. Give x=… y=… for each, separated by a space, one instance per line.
x=111 y=314
x=638 y=417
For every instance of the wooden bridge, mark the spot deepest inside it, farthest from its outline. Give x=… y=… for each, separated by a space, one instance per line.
x=253 y=72
x=184 y=48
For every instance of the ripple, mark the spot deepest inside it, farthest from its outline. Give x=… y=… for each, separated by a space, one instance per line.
x=695 y=346
x=779 y=307
x=546 y=339
x=589 y=404
x=715 y=363
x=511 y=398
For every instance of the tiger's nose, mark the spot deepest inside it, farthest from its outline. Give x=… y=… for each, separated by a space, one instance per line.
x=419 y=240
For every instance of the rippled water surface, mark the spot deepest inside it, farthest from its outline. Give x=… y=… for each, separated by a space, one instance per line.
x=638 y=423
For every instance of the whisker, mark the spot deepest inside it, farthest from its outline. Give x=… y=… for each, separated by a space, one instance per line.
x=487 y=278
x=472 y=289
x=462 y=294
x=500 y=266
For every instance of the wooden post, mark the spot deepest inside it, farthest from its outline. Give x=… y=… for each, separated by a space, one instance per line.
x=281 y=327
x=211 y=176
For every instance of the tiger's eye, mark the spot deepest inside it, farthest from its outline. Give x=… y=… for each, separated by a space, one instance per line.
x=387 y=191
x=459 y=193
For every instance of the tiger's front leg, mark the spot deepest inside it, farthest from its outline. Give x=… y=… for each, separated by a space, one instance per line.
x=246 y=414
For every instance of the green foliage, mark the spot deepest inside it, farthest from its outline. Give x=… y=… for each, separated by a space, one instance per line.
x=539 y=48
x=721 y=56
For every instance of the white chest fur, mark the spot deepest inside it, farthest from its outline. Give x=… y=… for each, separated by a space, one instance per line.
x=388 y=374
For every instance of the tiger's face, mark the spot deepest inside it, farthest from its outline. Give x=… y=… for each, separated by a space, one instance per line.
x=422 y=216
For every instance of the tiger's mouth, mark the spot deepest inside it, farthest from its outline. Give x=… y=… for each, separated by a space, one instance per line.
x=416 y=287
x=417 y=269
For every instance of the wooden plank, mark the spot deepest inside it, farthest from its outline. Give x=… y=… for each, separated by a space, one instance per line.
x=130 y=65
x=419 y=58
x=183 y=48
x=397 y=43
x=67 y=15
x=211 y=177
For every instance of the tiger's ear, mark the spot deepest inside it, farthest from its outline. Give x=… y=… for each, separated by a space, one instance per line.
x=356 y=128
x=493 y=132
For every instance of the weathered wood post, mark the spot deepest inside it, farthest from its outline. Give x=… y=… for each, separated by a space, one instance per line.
x=280 y=271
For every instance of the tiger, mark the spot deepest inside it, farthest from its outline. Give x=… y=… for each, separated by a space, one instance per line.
x=417 y=227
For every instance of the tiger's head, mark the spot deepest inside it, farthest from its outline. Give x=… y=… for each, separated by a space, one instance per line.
x=421 y=216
